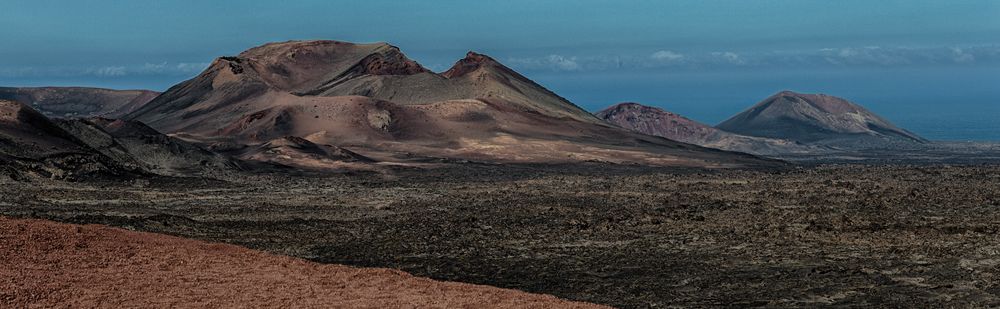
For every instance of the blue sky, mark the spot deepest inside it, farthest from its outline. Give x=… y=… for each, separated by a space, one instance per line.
x=907 y=60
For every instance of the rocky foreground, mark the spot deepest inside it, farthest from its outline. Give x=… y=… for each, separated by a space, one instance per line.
x=47 y=264
x=630 y=237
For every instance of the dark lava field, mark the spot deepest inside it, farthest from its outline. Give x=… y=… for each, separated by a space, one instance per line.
x=829 y=235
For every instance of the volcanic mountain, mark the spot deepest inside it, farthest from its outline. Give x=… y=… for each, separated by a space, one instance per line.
x=658 y=122
x=30 y=143
x=379 y=104
x=73 y=102
x=136 y=145
x=818 y=119
x=34 y=145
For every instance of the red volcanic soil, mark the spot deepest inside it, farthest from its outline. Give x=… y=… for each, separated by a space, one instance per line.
x=658 y=122
x=48 y=264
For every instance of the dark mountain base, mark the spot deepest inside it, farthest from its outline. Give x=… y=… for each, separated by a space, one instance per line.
x=66 y=167
x=931 y=153
x=135 y=145
x=849 y=236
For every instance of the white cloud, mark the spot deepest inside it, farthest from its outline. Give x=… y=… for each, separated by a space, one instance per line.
x=667 y=55
x=846 y=56
x=112 y=71
x=730 y=57
x=875 y=55
x=563 y=63
x=150 y=67
x=550 y=62
x=860 y=56
x=847 y=53
x=163 y=68
x=961 y=56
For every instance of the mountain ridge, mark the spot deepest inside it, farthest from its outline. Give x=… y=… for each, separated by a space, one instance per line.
x=817 y=118
x=659 y=122
x=372 y=99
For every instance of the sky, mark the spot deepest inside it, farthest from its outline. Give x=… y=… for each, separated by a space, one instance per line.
x=929 y=66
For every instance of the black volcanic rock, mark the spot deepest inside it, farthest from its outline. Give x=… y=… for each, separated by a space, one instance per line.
x=31 y=144
x=817 y=118
x=34 y=145
x=134 y=144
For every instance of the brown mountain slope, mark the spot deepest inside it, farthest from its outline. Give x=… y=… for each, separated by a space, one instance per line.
x=332 y=68
x=27 y=133
x=78 y=101
x=658 y=122
x=817 y=118
x=48 y=264
x=371 y=99
x=136 y=145
x=655 y=121
x=31 y=144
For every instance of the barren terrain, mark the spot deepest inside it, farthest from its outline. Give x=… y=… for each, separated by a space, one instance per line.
x=50 y=264
x=837 y=235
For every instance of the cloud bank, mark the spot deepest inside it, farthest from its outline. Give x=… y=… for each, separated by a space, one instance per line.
x=864 y=56
x=672 y=59
x=111 y=71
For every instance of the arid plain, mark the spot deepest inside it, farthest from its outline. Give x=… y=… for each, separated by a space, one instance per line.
x=830 y=235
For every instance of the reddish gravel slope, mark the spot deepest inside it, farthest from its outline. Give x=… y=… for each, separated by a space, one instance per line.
x=50 y=264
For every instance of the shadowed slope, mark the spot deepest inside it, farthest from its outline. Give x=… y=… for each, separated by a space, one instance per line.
x=817 y=118
x=655 y=121
x=137 y=145
x=27 y=133
x=331 y=68
x=475 y=76
x=31 y=144
x=370 y=98
x=658 y=122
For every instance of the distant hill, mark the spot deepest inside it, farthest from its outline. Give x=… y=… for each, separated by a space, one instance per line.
x=32 y=144
x=658 y=122
x=818 y=119
x=371 y=101
x=78 y=102
x=136 y=145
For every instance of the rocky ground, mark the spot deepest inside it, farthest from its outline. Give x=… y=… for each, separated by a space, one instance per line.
x=831 y=235
x=48 y=264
